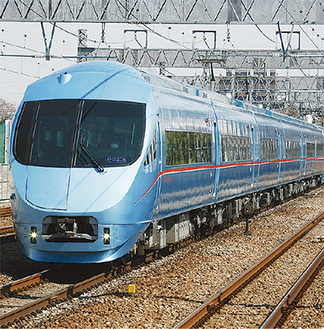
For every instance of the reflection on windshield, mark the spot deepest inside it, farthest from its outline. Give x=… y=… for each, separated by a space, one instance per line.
x=63 y=133
x=112 y=134
x=93 y=160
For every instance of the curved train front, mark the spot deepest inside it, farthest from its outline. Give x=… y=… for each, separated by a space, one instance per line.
x=77 y=151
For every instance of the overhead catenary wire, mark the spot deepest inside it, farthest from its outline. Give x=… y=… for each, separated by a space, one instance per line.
x=300 y=26
x=98 y=43
x=129 y=12
x=20 y=73
x=151 y=30
x=302 y=29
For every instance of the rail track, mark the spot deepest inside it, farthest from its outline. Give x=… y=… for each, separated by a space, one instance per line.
x=290 y=300
x=203 y=316
x=14 y=317
x=7 y=234
x=7 y=230
x=25 y=290
x=22 y=284
x=29 y=286
x=5 y=212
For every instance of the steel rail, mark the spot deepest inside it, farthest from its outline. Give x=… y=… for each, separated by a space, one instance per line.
x=292 y=294
x=50 y=299
x=7 y=230
x=7 y=234
x=22 y=283
x=205 y=310
x=69 y=292
x=5 y=211
x=16 y=314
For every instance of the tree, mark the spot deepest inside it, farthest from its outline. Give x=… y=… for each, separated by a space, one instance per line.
x=7 y=110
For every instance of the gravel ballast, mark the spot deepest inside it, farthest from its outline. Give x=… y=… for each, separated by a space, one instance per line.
x=169 y=289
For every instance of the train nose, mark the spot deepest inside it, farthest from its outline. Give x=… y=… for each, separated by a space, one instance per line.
x=46 y=189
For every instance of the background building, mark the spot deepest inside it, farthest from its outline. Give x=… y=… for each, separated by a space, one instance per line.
x=268 y=53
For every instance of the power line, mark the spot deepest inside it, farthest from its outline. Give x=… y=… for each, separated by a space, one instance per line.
x=257 y=26
x=20 y=73
x=21 y=47
x=311 y=40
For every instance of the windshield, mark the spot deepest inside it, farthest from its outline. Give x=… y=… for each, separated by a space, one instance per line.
x=79 y=133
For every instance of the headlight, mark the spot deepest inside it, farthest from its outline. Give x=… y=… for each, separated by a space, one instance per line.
x=106 y=235
x=33 y=234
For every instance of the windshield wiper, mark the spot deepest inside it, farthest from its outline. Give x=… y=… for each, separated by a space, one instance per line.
x=93 y=160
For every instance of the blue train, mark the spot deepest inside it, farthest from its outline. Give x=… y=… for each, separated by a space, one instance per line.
x=109 y=161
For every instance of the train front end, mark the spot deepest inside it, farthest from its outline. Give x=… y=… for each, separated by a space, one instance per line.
x=77 y=152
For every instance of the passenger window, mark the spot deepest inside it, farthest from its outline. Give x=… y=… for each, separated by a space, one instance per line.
x=151 y=156
x=310 y=150
x=319 y=150
x=269 y=148
x=235 y=148
x=184 y=147
x=292 y=150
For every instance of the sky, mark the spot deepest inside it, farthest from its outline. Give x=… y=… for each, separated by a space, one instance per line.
x=18 y=41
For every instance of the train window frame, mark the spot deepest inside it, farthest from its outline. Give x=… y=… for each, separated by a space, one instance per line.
x=151 y=155
x=236 y=148
x=292 y=149
x=310 y=149
x=269 y=149
x=187 y=147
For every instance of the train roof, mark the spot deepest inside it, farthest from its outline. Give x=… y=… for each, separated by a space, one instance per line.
x=166 y=82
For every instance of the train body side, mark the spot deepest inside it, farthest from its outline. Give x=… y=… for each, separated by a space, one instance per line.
x=263 y=163
x=236 y=145
x=186 y=178
x=183 y=186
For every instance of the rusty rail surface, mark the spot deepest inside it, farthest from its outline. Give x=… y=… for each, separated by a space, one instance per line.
x=7 y=234
x=7 y=230
x=293 y=293
x=22 y=283
x=201 y=314
x=5 y=212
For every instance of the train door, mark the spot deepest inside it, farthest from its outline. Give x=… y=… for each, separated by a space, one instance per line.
x=281 y=157
x=304 y=155
x=254 y=168
x=157 y=141
x=256 y=148
x=217 y=159
x=217 y=151
x=315 y=155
